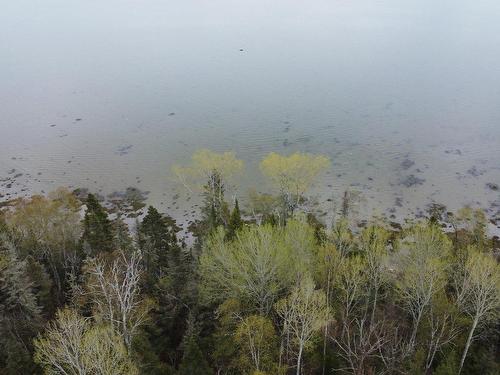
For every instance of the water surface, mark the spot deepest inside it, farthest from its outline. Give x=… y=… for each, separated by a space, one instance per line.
x=107 y=94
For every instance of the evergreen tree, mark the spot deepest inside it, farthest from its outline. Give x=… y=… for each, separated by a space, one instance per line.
x=123 y=241
x=157 y=238
x=448 y=365
x=166 y=280
x=193 y=361
x=235 y=222
x=20 y=316
x=97 y=228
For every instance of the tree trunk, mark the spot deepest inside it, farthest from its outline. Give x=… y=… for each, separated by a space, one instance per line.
x=374 y=306
x=299 y=359
x=326 y=326
x=415 y=329
x=467 y=344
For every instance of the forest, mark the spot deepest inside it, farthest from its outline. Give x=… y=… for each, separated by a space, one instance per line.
x=265 y=288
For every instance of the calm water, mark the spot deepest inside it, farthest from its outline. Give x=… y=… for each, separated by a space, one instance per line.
x=107 y=94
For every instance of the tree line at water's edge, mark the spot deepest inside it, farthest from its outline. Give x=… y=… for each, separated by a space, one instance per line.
x=264 y=289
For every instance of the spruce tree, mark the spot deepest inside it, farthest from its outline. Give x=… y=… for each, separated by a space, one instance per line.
x=157 y=239
x=166 y=280
x=97 y=228
x=193 y=361
x=235 y=222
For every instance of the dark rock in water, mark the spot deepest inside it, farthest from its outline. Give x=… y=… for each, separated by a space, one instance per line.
x=124 y=150
x=52 y=125
x=492 y=186
x=407 y=163
x=17 y=175
x=171 y=114
x=241 y=49
x=304 y=139
x=411 y=180
x=475 y=172
x=78 y=119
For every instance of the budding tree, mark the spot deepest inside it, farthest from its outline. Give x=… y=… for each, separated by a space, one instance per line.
x=73 y=345
x=293 y=175
x=303 y=313
x=211 y=171
x=424 y=256
x=256 y=338
x=374 y=247
x=257 y=266
x=478 y=292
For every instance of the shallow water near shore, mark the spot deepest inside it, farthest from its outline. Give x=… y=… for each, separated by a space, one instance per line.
x=403 y=96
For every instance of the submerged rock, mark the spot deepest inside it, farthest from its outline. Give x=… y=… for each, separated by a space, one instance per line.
x=411 y=180
x=492 y=186
x=407 y=163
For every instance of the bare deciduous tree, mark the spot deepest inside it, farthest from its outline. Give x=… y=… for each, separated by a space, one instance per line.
x=361 y=341
x=115 y=293
x=72 y=345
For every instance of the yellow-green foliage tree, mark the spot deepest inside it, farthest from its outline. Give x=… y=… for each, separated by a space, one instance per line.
x=48 y=229
x=212 y=171
x=258 y=266
x=74 y=345
x=478 y=293
x=293 y=175
x=424 y=260
x=303 y=313
x=257 y=342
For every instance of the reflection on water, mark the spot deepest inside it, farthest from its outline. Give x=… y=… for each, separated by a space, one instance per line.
x=402 y=95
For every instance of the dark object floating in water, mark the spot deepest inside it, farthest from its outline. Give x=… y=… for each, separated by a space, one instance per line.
x=241 y=50
x=492 y=186
x=78 y=119
x=124 y=150
x=454 y=152
x=475 y=172
x=52 y=125
x=411 y=180
x=171 y=114
x=407 y=163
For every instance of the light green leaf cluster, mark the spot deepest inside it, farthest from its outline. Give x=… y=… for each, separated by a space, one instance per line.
x=294 y=173
x=204 y=163
x=258 y=266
